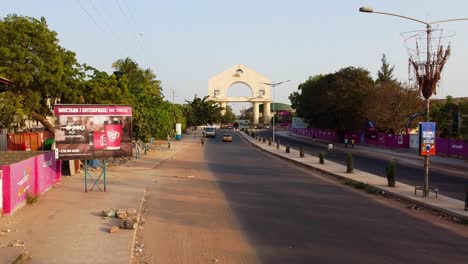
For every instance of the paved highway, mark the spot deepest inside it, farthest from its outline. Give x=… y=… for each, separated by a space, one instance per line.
x=291 y=216
x=449 y=184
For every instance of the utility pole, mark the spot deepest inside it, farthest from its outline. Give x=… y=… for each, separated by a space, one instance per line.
x=430 y=76
x=273 y=85
x=174 y=120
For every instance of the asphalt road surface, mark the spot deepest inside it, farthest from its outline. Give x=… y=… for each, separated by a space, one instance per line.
x=291 y=216
x=449 y=184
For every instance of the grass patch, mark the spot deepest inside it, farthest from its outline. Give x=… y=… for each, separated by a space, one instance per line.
x=362 y=186
x=31 y=199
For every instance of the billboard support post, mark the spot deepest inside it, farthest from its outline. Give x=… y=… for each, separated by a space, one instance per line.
x=95 y=179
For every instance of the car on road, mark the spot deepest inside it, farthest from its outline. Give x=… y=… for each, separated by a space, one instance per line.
x=227 y=138
x=210 y=132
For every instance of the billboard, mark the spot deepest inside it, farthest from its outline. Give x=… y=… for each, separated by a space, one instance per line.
x=427 y=137
x=298 y=122
x=93 y=131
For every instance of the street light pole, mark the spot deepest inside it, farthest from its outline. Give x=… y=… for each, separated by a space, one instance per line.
x=273 y=85
x=427 y=69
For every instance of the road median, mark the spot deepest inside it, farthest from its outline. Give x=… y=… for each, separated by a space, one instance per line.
x=444 y=204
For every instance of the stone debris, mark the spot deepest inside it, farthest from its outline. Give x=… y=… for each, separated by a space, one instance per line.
x=131 y=212
x=114 y=229
x=122 y=213
x=413 y=206
x=16 y=243
x=128 y=224
x=110 y=213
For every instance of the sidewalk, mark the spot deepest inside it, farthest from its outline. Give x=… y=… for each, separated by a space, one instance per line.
x=66 y=226
x=444 y=204
x=408 y=156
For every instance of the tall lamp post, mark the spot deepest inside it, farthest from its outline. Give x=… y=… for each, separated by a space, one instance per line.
x=273 y=85
x=429 y=79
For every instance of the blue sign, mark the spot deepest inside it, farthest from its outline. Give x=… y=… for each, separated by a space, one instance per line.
x=427 y=138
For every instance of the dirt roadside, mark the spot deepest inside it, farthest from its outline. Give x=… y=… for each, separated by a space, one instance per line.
x=186 y=218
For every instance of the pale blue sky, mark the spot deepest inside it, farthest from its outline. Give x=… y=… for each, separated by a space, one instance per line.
x=187 y=42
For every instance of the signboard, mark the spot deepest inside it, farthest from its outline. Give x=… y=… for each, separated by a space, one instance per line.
x=178 y=134
x=427 y=136
x=93 y=131
x=298 y=122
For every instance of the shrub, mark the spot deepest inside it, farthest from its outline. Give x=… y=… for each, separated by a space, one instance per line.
x=391 y=170
x=31 y=199
x=321 y=158
x=349 y=163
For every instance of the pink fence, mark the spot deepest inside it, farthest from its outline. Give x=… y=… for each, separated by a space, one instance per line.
x=34 y=176
x=452 y=147
x=389 y=141
x=444 y=146
x=382 y=139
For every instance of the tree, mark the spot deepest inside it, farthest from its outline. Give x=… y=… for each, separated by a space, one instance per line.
x=390 y=105
x=334 y=100
x=201 y=111
x=11 y=108
x=385 y=73
x=38 y=65
x=445 y=114
x=228 y=117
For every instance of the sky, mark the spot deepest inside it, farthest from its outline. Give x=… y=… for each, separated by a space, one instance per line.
x=187 y=42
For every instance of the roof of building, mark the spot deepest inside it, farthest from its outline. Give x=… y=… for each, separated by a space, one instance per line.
x=277 y=107
x=274 y=107
x=5 y=81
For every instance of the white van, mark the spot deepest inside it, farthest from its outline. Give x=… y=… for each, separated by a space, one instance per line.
x=210 y=132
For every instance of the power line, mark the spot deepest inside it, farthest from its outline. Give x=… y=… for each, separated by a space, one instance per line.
x=105 y=22
x=121 y=9
x=129 y=11
x=89 y=15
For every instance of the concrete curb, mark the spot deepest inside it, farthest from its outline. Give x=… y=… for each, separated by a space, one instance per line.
x=386 y=190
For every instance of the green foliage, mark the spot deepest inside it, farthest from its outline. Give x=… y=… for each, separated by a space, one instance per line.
x=391 y=171
x=446 y=114
x=229 y=117
x=349 y=163
x=321 y=158
x=385 y=73
x=11 y=109
x=31 y=199
x=40 y=68
x=334 y=100
x=202 y=111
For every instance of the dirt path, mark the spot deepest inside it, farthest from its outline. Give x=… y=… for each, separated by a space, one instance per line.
x=187 y=218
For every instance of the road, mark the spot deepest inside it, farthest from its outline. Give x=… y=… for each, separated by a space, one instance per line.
x=231 y=203
x=449 y=184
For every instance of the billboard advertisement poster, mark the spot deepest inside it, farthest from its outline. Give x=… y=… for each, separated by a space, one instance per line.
x=298 y=122
x=427 y=138
x=178 y=128
x=93 y=131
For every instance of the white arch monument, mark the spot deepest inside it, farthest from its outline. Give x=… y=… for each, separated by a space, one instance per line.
x=218 y=86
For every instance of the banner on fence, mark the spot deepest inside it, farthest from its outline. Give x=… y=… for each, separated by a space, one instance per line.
x=93 y=131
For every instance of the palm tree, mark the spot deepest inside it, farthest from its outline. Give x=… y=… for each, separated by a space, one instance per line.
x=125 y=66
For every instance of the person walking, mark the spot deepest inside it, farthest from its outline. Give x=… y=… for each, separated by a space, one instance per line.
x=346 y=142
x=352 y=142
